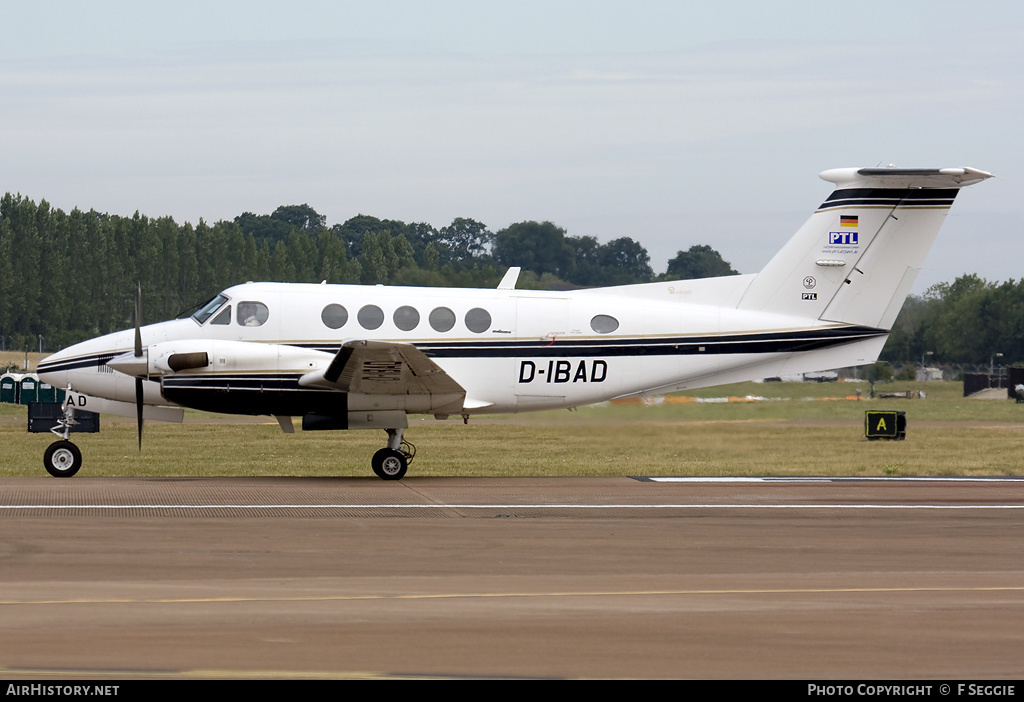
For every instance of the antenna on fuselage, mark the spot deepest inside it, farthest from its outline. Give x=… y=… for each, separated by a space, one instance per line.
x=508 y=282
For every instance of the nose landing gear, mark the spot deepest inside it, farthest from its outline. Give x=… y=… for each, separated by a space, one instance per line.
x=62 y=459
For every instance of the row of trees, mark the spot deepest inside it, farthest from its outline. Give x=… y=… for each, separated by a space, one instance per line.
x=71 y=276
x=970 y=320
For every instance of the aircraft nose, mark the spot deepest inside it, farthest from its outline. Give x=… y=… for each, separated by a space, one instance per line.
x=56 y=369
x=83 y=361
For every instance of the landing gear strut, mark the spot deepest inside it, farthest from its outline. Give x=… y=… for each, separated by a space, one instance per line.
x=391 y=463
x=62 y=459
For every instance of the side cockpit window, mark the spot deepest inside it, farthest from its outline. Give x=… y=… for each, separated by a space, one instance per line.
x=252 y=313
x=224 y=317
x=207 y=310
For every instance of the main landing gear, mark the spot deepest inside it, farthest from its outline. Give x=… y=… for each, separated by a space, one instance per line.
x=391 y=463
x=62 y=459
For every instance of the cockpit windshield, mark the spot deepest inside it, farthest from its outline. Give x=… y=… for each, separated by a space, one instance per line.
x=209 y=308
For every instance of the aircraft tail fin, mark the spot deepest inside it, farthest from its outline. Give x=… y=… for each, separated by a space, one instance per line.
x=856 y=258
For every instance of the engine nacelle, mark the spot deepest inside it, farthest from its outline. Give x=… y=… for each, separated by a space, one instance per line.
x=208 y=356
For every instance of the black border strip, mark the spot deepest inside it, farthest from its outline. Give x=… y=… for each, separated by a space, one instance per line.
x=726 y=344
x=891 y=197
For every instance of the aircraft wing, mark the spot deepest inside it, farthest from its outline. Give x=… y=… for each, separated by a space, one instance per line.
x=385 y=368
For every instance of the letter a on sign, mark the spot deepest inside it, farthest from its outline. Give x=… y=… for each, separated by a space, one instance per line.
x=884 y=424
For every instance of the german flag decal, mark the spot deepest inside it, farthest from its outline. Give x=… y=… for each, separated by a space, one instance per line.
x=847 y=220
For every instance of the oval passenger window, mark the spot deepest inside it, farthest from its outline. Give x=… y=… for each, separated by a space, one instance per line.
x=604 y=324
x=334 y=316
x=406 y=318
x=441 y=319
x=478 y=320
x=370 y=317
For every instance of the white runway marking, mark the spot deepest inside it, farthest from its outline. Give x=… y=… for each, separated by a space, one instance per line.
x=573 y=506
x=805 y=479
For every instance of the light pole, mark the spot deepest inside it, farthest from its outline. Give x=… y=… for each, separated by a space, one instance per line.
x=992 y=367
x=992 y=362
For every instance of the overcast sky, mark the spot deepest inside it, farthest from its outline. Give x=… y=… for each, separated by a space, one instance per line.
x=674 y=123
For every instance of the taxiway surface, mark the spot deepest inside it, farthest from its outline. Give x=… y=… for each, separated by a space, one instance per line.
x=556 y=577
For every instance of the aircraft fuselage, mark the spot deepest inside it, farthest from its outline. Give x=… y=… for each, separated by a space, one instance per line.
x=511 y=350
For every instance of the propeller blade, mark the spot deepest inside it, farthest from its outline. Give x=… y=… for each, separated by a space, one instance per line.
x=138 y=407
x=138 y=321
x=138 y=354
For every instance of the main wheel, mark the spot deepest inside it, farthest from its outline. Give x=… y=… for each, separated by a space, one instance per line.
x=62 y=459
x=389 y=464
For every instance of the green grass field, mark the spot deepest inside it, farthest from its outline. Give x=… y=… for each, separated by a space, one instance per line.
x=19 y=359
x=799 y=429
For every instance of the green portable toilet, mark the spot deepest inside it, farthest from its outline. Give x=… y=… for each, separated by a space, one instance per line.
x=47 y=393
x=29 y=389
x=9 y=385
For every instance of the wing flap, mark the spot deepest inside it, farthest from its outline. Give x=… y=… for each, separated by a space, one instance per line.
x=386 y=368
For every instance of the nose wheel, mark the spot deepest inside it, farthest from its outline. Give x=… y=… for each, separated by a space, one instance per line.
x=62 y=459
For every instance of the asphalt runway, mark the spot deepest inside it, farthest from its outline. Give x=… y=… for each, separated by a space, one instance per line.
x=549 y=578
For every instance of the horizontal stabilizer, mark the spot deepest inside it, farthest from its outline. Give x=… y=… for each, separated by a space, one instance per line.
x=898 y=178
x=856 y=258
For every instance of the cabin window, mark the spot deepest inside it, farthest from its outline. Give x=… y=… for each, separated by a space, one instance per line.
x=442 y=319
x=209 y=308
x=224 y=317
x=334 y=316
x=370 y=317
x=252 y=314
x=604 y=324
x=478 y=320
x=406 y=318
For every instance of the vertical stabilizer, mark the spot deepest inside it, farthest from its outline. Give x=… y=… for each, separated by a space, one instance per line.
x=856 y=258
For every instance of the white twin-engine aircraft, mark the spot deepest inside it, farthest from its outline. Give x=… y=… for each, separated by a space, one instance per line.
x=365 y=357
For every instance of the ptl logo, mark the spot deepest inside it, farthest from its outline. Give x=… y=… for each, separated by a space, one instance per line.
x=843 y=238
